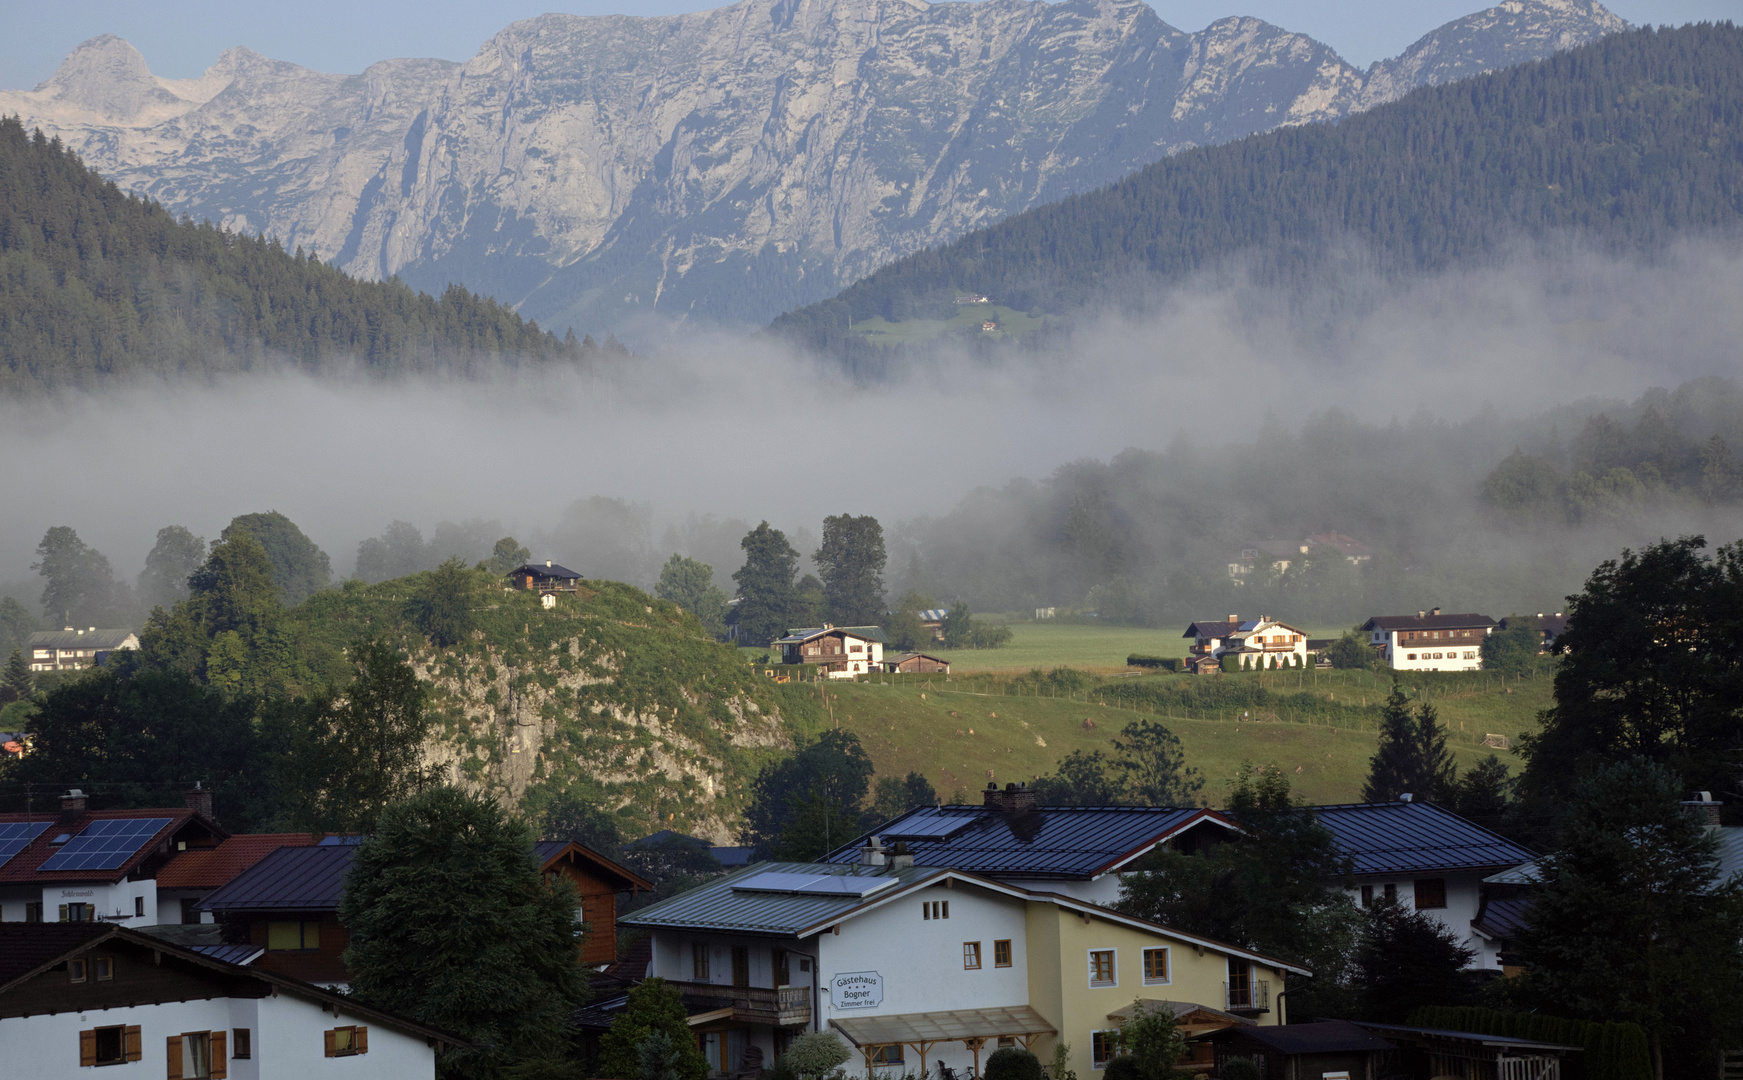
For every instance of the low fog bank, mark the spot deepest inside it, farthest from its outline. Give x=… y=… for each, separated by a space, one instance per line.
x=610 y=470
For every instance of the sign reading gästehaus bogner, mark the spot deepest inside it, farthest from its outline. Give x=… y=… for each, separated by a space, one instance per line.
x=856 y=990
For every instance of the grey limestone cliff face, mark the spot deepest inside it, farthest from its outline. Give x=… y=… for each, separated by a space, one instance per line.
x=727 y=165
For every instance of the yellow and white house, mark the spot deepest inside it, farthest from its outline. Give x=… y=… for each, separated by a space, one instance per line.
x=918 y=967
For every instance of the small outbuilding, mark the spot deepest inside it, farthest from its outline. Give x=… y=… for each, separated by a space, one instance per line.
x=1439 y=1052
x=1303 y=1051
x=917 y=662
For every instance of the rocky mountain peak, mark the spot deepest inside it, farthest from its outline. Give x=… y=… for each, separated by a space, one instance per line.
x=105 y=75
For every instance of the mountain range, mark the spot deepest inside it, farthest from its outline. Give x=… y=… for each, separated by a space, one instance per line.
x=726 y=165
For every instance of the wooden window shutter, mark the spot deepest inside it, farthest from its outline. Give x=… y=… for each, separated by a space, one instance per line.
x=87 y=1048
x=220 y=1055
x=361 y=1040
x=173 y=1052
x=131 y=1043
x=328 y=1035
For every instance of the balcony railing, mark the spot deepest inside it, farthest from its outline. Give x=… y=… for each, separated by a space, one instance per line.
x=782 y=1006
x=1252 y=995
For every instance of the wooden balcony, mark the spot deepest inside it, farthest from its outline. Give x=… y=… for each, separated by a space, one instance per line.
x=782 y=1006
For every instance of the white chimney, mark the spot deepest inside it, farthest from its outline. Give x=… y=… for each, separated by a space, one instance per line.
x=547 y=562
x=1406 y=797
x=873 y=852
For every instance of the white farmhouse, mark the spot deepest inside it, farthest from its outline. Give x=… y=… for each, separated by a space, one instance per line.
x=74 y=996
x=1429 y=640
x=1428 y=859
x=1256 y=643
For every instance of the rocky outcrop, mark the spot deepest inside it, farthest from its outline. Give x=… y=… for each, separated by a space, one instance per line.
x=724 y=165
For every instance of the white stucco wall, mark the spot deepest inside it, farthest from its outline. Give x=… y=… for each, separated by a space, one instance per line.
x=114 y=903
x=287 y=1040
x=1465 y=656
x=920 y=961
x=1463 y=898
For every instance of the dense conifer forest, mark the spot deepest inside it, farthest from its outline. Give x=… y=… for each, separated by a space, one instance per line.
x=97 y=284
x=1625 y=144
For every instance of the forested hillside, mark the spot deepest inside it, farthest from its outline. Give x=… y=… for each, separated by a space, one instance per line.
x=96 y=284
x=1625 y=143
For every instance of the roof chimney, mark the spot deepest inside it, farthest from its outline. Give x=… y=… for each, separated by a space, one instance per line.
x=873 y=852
x=1540 y=614
x=1406 y=797
x=1422 y=614
x=1234 y=617
x=1015 y=799
x=1702 y=806
x=72 y=805
x=1436 y=611
x=900 y=856
x=547 y=562
x=199 y=800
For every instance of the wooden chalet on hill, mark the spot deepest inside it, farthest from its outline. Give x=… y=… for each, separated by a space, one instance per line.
x=917 y=662
x=544 y=579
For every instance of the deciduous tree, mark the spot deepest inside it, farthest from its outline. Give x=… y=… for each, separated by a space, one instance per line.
x=299 y=568
x=1407 y=959
x=690 y=585
x=1513 y=651
x=850 y=562
x=442 y=604
x=1630 y=920
x=452 y=923
x=80 y=588
x=1153 y=769
x=826 y=780
x=172 y=560
x=508 y=554
x=765 y=585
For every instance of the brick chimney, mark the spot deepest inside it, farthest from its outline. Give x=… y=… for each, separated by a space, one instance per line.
x=1704 y=808
x=199 y=800
x=72 y=805
x=1436 y=611
x=1015 y=799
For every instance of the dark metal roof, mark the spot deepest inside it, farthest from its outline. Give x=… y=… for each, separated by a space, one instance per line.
x=290 y=879
x=545 y=570
x=1501 y=1042
x=1069 y=842
x=1407 y=837
x=1324 y=1037
x=1212 y=628
x=797 y=635
x=1503 y=919
x=1427 y=622
x=79 y=639
x=717 y=905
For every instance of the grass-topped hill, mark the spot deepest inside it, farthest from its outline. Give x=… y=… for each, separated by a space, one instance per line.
x=612 y=695
x=1628 y=143
x=97 y=284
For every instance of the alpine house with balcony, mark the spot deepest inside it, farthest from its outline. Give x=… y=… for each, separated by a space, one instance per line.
x=916 y=965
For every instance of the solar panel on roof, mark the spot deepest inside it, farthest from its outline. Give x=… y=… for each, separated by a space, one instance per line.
x=105 y=845
x=930 y=825
x=15 y=836
x=813 y=884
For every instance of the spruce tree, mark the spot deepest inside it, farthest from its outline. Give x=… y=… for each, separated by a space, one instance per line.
x=1396 y=765
x=17 y=684
x=1438 y=779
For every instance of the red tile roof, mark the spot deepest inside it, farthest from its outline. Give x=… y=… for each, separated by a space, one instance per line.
x=22 y=867
x=209 y=868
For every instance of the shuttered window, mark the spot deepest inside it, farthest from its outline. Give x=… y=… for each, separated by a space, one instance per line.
x=346 y=1041
x=115 y=1045
x=196 y=1055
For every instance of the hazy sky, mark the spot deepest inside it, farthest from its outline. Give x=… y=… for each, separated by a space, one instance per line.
x=181 y=38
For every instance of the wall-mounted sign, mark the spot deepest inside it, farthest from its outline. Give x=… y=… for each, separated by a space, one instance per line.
x=856 y=990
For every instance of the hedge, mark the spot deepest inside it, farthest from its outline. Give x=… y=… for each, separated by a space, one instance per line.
x=1140 y=660
x=1614 y=1050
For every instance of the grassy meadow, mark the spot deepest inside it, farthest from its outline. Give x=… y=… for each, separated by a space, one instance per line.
x=997 y=717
